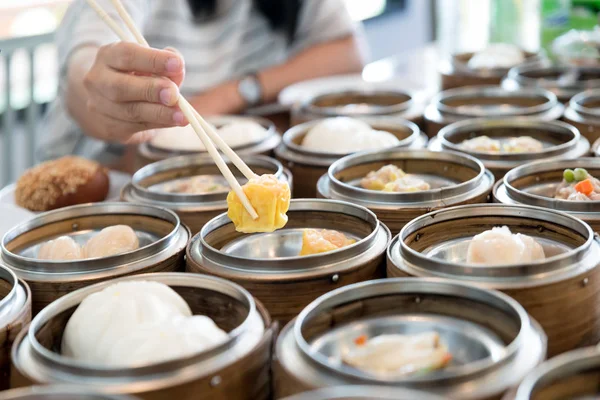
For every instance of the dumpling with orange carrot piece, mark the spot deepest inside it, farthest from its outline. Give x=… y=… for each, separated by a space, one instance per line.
x=270 y=198
x=316 y=241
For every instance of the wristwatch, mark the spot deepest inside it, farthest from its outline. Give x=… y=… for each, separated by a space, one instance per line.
x=250 y=89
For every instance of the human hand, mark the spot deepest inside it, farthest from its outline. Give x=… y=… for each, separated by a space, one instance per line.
x=220 y=100
x=132 y=89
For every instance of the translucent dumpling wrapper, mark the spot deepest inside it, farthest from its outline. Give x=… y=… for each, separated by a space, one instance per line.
x=406 y=184
x=397 y=355
x=111 y=241
x=499 y=246
x=106 y=316
x=376 y=180
x=344 y=135
x=173 y=338
x=522 y=144
x=578 y=185
x=482 y=144
x=497 y=55
x=270 y=198
x=235 y=134
x=63 y=248
x=316 y=241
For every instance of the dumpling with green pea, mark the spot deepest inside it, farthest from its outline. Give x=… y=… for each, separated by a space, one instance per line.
x=578 y=185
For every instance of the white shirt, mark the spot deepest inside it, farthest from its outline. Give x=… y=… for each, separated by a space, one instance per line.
x=237 y=41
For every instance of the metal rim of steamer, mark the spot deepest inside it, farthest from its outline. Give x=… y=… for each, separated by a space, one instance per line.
x=578 y=103
x=463 y=68
x=482 y=181
x=289 y=267
x=436 y=286
x=64 y=369
x=574 y=144
x=405 y=102
x=357 y=392
x=555 y=268
x=297 y=153
x=32 y=265
x=59 y=392
x=561 y=366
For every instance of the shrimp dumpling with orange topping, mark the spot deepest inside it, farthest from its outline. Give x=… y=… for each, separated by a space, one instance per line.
x=270 y=198
x=63 y=248
x=110 y=241
x=321 y=241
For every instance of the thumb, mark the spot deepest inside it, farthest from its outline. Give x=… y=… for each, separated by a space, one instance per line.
x=178 y=79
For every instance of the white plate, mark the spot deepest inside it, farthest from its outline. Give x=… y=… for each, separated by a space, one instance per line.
x=117 y=181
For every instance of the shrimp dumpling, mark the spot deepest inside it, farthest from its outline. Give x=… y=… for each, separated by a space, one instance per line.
x=522 y=144
x=270 y=198
x=106 y=316
x=406 y=184
x=499 y=246
x=110 y=241
x=63 y=248
x=376 y=180
x=321 y=241
x=482 y=144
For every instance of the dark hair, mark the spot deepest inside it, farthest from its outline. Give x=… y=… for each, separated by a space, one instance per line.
x=282 y=15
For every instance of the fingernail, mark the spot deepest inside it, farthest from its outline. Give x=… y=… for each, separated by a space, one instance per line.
x=165 y=97
x=173 y=65
x=178 y=118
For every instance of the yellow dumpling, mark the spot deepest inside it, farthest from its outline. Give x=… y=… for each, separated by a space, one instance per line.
x=271 y=200
x=376 y=180
x=315 y=241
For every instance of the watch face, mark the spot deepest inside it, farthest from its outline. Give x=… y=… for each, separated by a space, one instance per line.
x=250 y=90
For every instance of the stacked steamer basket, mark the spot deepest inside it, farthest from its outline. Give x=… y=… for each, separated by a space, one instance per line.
x=151 y=185
x=15 y=313
x=560 y=291
x=564 y=81
x=308 y=165
x=237 y=369
x=573 y=375
x=150 y=152
x=269 y=265
x=360 y=103
x=364 y=393
x=493 y=341
x=59 y=392
x=560 y=141
x=456 y=72
x=583 y=112
x=489 y=102
x=162 y=240
x=535 y=184
x=454 y=179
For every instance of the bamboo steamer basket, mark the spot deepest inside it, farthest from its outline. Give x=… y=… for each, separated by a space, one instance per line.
x=534 y=184
x=147 y=153
x=364 y=393
x=493 y=340
x=560 y=292
x=564 y=81
x=454 y=179
x=307 y=166
x=235 y=370
x=268 y=265
x=58 y=392
x=560 y=140
x=573 y=375
x=583 y=112
x=360 y=103
x=147 y=186
x=456 y=73
x=162 y=247
x=15 y=313
x=455 y=105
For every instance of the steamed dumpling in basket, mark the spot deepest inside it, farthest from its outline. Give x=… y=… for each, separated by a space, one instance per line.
x=497 y=55
x=498 y=246
x=578 y=185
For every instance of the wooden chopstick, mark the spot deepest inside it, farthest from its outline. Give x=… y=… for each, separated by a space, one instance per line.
x=185 y=107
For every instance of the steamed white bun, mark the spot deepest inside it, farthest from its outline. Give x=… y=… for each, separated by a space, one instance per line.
x=63 y=248
x=344 y=135
x=497 y=55
x=499 y=246
x=103 y=318
x=235 y=134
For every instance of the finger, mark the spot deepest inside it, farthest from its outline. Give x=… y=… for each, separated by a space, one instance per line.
x=139 y=112
x=178 y=79
x=120 y=87
x=142 y=137
x=125 y=56
x=114 y=130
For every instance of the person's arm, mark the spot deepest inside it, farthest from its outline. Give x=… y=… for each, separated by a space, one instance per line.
x=117 y=90
x=339 y=56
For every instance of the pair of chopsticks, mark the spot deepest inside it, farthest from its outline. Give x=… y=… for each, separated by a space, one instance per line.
x=204 y=131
